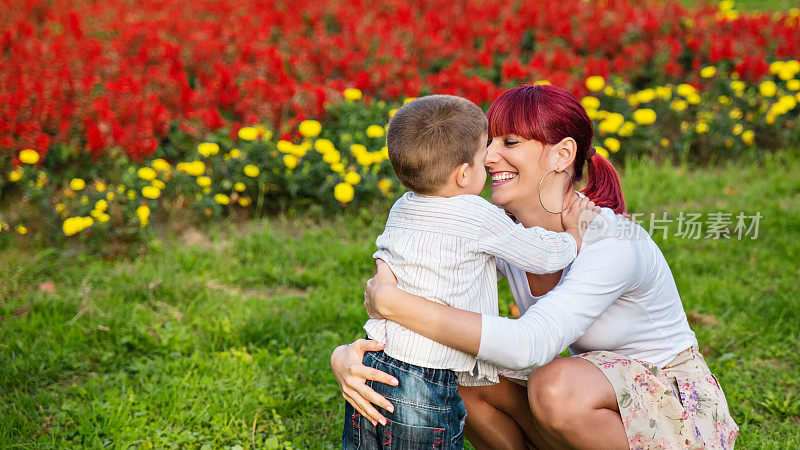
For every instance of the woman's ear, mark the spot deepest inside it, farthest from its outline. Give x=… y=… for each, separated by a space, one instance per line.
x=462 y=175
x=565 y=153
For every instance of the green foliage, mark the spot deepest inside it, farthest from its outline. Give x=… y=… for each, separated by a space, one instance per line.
x=222 y=338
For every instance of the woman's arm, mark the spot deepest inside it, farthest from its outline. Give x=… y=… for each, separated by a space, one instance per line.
x=351 y=375
x=596 y=280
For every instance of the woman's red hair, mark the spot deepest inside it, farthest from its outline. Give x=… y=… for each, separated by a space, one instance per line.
x=549 y=114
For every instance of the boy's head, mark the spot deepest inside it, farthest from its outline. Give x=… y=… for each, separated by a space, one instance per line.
x=430 y=137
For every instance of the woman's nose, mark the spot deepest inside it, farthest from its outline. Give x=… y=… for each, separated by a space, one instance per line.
x=492 y=153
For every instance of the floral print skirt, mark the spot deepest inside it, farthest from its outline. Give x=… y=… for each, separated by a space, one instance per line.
x=678 y=406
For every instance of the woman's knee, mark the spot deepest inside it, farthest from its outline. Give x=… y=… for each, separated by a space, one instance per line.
x=553 y=394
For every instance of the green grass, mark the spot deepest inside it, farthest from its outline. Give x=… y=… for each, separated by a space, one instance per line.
x=754 y=5
x=223 y=338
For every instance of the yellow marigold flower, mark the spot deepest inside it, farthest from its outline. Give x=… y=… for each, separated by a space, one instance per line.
x=701 y=128
x=793 y=85
x=724 y=100
x=239 y=187
x=693 y=99
x=646 y=95
x=29 y=156
x=352 y=178
x=147 y=174
x=595 y=83
x=768 y=88
x=77 y=184
x=110 y=196
x=775 y=67
x=206 y=190
x=770 y=119
x=626 y=130
x=222 y=199
x=384 y=185
x=352 y=94
x=343 y=192
x=678 y=105
x=75 y=225
x=100 y=186
x=644 y=116
x=735 y=114
x=665 y=142
x=737 y=129
x=337 y=167
x=788 y=102
x=251 y=171
x=358 y=149
x=284 y=146
x=738 y=86
x=392 y=112
x=612 y=144
x=235 y=153
x=22 y=230
x=369 y=158
x=245 y=201
x=602 y=152
x=160 y=164
x=15 y=175
x=208 y=148
x=131 y=194
x=408 y=100
x=375 y=131
x=143 y=213
x=151 y=192
x=310 y=128
x=194 y=168
x=748 y=137
x=686 y=90
x=290 y=161
x=664 y=92
x=248 y=133
x=204 y=181
x=726 y=5
x=385 y=152
x=61 y=208
x=159 y=184
x=590 y=102
x=708 y=72
x=323 y=145
x=300 y=150
x=101 y=205
x=121 y=189
x=331 y=157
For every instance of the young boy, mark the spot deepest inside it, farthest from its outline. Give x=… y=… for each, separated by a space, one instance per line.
x=440 y=241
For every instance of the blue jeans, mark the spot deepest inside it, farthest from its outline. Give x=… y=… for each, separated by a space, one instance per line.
x=428 y=413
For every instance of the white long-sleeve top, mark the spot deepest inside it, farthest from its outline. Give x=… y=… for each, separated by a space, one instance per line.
x=443 y=248
x=617 y=295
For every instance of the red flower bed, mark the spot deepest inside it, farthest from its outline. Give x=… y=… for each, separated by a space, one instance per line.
x=119 y=73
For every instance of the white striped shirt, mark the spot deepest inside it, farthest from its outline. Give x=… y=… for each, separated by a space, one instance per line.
x=443 y=249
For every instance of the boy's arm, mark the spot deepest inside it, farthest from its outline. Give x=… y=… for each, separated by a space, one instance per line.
x=535 y=249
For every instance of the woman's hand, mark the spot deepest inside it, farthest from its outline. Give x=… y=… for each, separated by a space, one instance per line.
x=351 y=375
x=376 y=295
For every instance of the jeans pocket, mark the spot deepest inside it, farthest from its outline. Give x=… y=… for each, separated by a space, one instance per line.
x=457 y=440
x=396 y=435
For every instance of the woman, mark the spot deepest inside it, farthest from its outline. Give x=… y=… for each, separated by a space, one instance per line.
x=637 y=379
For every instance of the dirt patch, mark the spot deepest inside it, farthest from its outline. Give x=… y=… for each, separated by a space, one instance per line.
x=258 y=293
x=701 y=319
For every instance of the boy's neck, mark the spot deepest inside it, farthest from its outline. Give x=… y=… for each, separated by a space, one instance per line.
x=451 y=190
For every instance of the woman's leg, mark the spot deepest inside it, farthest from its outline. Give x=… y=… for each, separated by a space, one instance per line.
x=499 y=417
x=575 y=406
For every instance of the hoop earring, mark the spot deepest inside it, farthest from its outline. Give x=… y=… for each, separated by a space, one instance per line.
x=540 y=190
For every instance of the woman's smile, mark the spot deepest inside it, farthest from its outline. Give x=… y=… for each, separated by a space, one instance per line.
x=502 y=177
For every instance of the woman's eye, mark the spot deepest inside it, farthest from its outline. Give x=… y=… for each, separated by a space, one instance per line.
x=509 y=142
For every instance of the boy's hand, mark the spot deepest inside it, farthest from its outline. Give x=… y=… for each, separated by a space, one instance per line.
x=577 y=216
x=378 y=287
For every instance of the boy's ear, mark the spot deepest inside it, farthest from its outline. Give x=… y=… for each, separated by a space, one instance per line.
x=462 y=175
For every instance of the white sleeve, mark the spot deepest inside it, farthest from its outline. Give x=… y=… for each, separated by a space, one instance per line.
x=597 y=278
x=533 y=250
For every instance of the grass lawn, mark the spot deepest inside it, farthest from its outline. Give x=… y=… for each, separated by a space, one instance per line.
x=222 y=338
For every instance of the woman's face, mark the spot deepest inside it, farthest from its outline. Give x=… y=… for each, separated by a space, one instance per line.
x=515 y=166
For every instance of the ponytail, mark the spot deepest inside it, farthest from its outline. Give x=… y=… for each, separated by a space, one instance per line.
x=602 y=186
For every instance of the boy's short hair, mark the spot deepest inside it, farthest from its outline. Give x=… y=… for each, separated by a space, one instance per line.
x=430 y=136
